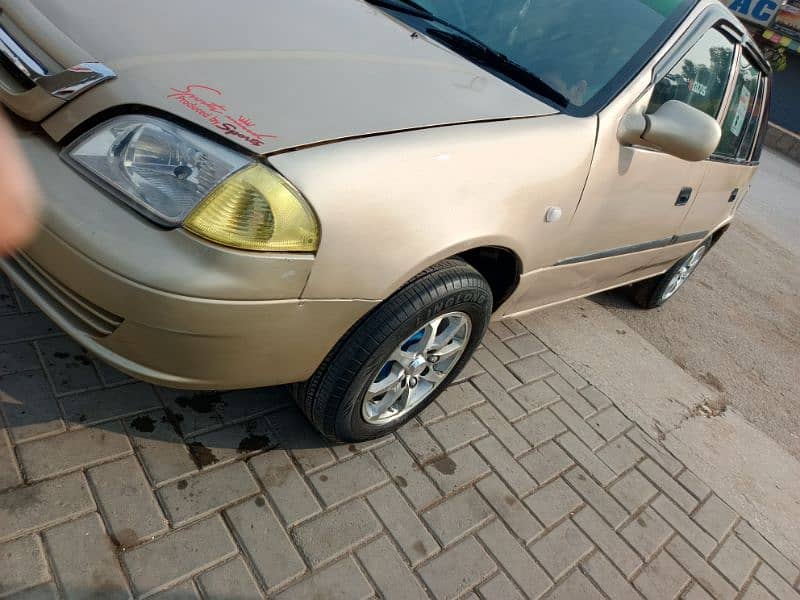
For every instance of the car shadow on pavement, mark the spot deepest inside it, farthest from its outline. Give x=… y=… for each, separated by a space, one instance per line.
x=616 y=298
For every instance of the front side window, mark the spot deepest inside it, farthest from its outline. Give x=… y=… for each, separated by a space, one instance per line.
x=741 y=122
x=579 y=48
x=700 y=78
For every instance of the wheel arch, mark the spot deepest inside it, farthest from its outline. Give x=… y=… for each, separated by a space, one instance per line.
x=500 y=266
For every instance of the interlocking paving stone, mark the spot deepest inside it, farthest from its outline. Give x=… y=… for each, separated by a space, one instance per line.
x=655 y=451
x=231 y=442
x=84 y=560
x=183 y=591
x=419 y=442
x=456 y=470
x=496 y=369
x=531 y=368
x=18 y=357
x=26 y=509
x=509 y=508
x=668 y=485
x=92 y=407
x=525 y=345
x=458 y=516
x=505 y=465
x=576 y=585
x=607 y=540
x=348 y=479
x=230 y=580
x=647 y=533
x=161 y=450
x=775 y=584
x=457 y=569
x=597 y=497
x=695 y=592
x=735 y=560
x=404 y=525
x=586 y=458
x=621 y=455
x=553 y=502
x=340 y=581
x=546 y=462
x=295 y=434
x=535 y=396
x=775 y=559
x=516 y=561
x=499 y=397
x=22 y=564
x=180 y=554
x=431 y=413
x=595 y=397
x=661 y=578
x=502 y=429
x=73 y=450
x=498 y=348
x=577 y=425
x=29 y=406
x=700 y=569
x=716 y=517
x=18 y=328
x=68 y=365
x=500 y=586
x=284 y=486
x=47 y=591
x=265 y=542
x=561 y=549
x=600 y=570
x=540 y=427
x=9 y=470
x=457 y=431
x=386 y=568
x=502 y=329
x=563 y=369
x=336 y=531
x=195 y=497
x=470 y=370
x=128 y=505
x=681 y=522
x=571 y=395
x=633 y=490
x=459 y=397
x=691 y=482
x=756 y=591
x=415 y=485
x=609 y=422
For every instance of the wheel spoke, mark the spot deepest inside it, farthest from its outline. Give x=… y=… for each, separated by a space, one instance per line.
x=449 y=350
x=433 y=376
x=389 y=400
x=429 y=337
x=385 y=384
x=455 y=324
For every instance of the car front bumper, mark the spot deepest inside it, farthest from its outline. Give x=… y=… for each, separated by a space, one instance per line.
x=163 y=305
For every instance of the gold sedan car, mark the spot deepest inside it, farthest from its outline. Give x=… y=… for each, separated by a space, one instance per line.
x=345 y=193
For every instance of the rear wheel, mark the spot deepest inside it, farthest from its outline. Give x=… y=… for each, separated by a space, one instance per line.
x=653 y=293
x=402 y=355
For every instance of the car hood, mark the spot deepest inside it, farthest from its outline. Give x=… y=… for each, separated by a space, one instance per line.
x=276 y=75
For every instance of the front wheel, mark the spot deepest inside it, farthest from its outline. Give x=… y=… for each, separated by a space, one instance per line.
x=396 y=360
x=653 y=293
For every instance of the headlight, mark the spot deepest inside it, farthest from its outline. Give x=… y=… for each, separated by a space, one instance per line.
x=176 y=177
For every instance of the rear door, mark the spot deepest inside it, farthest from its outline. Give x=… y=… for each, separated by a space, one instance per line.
x=730 y=169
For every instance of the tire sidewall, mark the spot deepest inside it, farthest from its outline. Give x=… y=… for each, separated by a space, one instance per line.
x=474 y=302
x=656 y=299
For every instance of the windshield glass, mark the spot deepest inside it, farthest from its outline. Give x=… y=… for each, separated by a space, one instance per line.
x=577 y=47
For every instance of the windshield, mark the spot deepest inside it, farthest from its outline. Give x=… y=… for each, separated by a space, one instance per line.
x=576 y=47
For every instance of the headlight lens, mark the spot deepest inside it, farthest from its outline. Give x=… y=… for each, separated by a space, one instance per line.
x=177 y=177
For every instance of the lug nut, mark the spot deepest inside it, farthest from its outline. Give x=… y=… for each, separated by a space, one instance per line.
x=412 y=382
x=433 y=359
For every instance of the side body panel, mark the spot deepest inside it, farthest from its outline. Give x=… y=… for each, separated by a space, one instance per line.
x=714 y=202
x=391 y=206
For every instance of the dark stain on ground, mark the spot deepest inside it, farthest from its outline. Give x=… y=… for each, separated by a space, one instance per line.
x=254 y=443
x=419 y=547
x=61 y=355
x=126 y=538
x=401 y=481
x=713 y=381
x=205 y=402
x=323 y=478
x=581 y=477
x=445 y=465
x=621 y=332
x=641 y=522
x=260 y=501
x=182 y=484
x=202 y=456
x=174 y=420
x=82 y=419
x=510 y=500
x=352 y=448
x=83 y=359
x=144 y=424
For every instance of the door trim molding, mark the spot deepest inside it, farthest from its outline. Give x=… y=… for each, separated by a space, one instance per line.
x=634 y=248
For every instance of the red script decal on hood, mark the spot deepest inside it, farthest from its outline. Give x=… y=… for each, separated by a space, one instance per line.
x=194 y=97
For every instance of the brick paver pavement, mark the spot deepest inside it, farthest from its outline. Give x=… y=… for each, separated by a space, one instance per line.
x=521 y=481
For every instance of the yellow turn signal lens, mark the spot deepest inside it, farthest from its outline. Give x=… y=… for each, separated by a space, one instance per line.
x=256 y=209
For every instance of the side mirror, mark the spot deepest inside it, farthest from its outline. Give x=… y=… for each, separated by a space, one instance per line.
x=675 y=128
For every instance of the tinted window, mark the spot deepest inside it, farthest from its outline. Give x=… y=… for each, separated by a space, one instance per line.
x=700 y=78
x=576 y=46
x=741 y=123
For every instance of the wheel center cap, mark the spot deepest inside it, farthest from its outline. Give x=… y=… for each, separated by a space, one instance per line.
x=417 y=366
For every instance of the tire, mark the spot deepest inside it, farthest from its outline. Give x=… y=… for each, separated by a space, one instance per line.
x=652 y=293
x=334 y=398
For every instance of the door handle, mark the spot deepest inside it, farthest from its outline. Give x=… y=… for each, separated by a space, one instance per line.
x=734 y=195
x=684 y=197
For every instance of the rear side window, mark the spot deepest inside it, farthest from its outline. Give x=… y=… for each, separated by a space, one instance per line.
x=740 y=126
x=700 y=78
